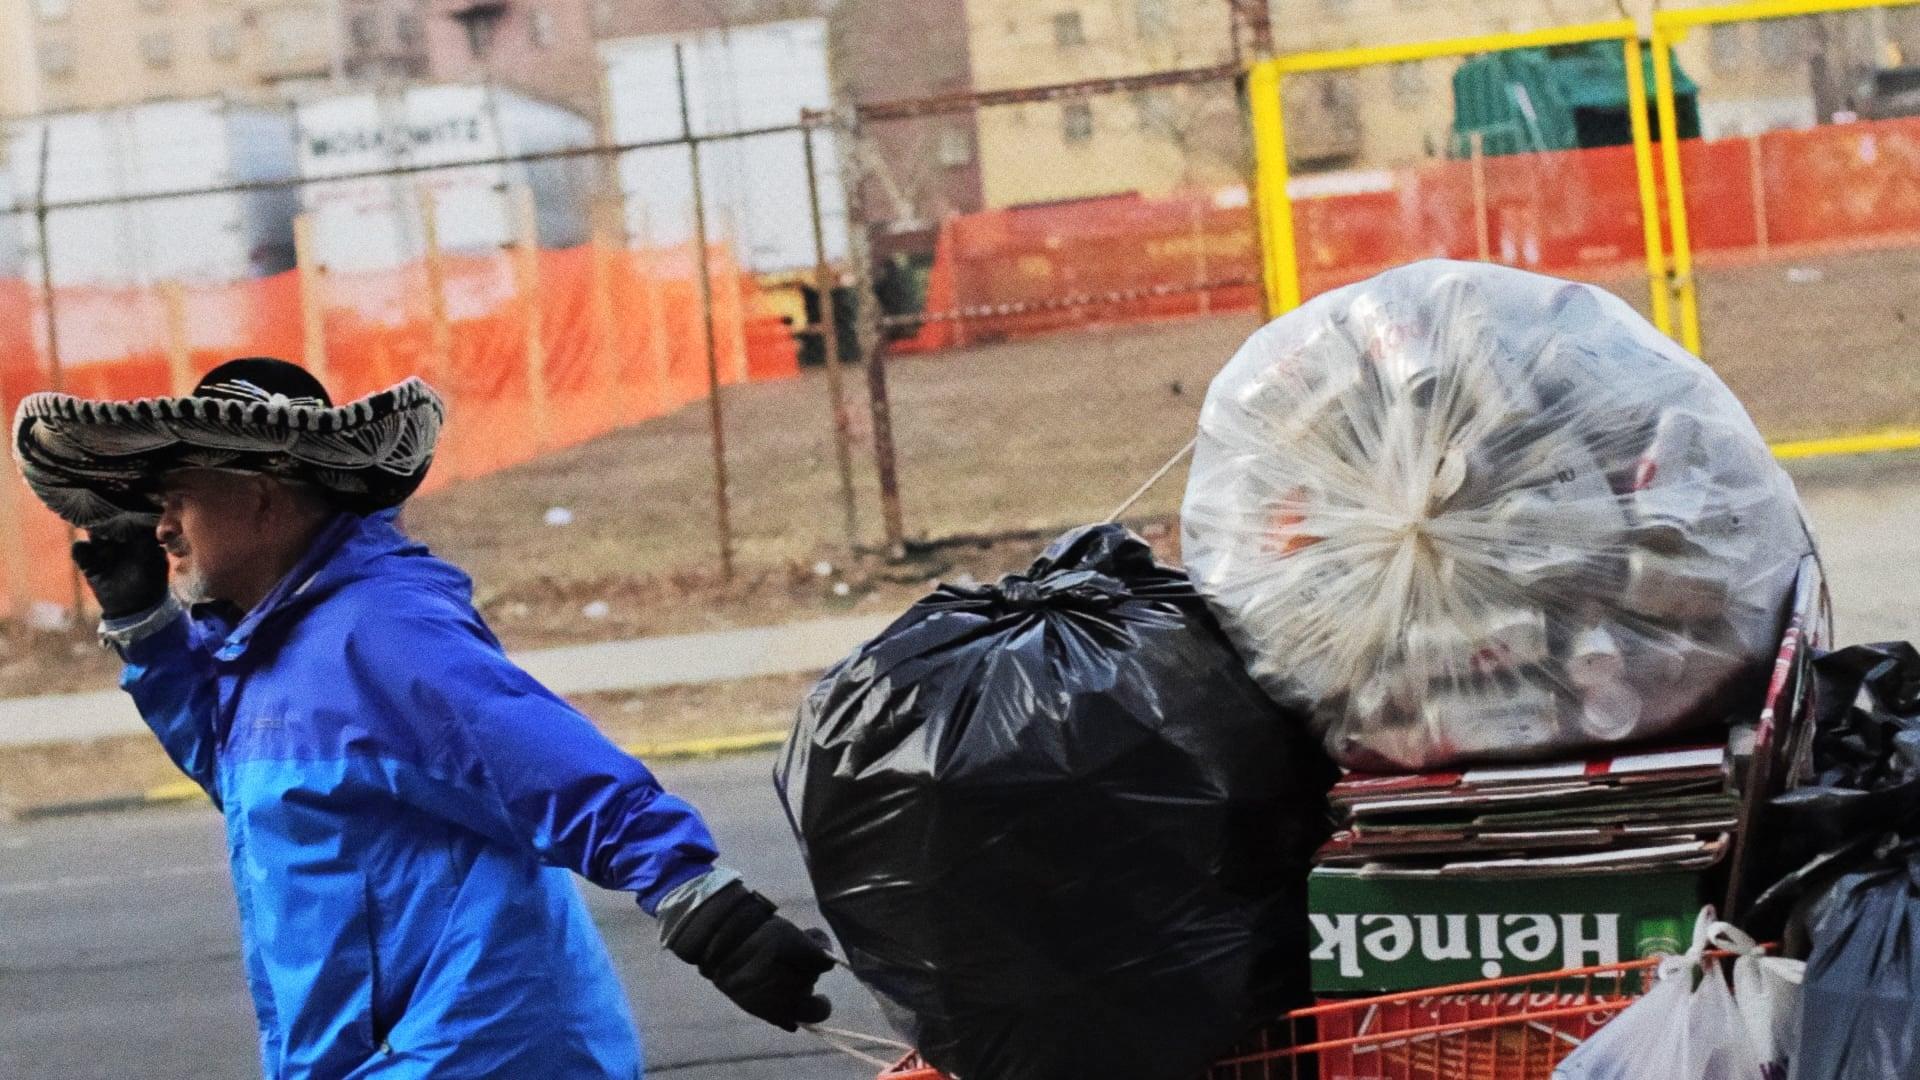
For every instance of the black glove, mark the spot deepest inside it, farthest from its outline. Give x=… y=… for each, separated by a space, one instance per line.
x=125 y=567
x=767 y=965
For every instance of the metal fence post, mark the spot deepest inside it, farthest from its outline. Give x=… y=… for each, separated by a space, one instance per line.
x=867 y=315
x=716 y=419
x=828 y=328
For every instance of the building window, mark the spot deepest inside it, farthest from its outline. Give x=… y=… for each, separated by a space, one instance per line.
x=53 y=10
x=1156 y=111
x=157 y=49
x=1076 y=121
x=406 y=30
x=56 y=59
x=1727 y=48
x=540 y=28
x=1153 y=18
x=1780 y=41
x=1068 y=31
x=955 y=148
x=361 y=31
x=1409 y=82
x=223 y=41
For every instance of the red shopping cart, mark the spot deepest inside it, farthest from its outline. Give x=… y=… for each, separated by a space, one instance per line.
x=1515 y=1028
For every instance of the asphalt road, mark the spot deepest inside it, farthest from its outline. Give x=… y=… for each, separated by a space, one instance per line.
x=119 y=958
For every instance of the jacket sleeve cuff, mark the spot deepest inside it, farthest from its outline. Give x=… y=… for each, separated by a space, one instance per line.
x=123 y=633
x=682 y=899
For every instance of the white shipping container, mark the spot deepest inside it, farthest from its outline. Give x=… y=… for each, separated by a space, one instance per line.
x=375 y=223
x=147 y=150
x=12 y=257
x=738 y=78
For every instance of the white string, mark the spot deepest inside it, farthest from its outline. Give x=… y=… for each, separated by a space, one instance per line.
x=840 y=1039
x=1152 y=480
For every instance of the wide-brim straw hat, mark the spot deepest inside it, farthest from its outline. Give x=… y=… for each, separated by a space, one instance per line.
x=94 y=461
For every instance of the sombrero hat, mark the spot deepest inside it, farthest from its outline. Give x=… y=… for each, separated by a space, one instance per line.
x=93 y=461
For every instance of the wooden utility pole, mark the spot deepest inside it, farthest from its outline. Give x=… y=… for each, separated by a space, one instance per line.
x=526 y=275
x=173 y=302
x=608 y=245
x=440 y=344
x=313 y=302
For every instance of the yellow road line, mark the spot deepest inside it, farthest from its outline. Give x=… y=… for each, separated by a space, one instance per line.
x=178 y=791
x=699 y=748
x=1875 y=443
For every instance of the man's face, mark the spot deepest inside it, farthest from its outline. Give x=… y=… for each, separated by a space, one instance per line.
x=210 y=526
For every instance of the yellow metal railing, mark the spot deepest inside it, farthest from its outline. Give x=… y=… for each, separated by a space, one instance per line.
x=1669 y=29
x=1265 y=83
x=1669 y=258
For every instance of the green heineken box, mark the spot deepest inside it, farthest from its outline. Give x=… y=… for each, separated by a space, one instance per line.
x=1379 y=934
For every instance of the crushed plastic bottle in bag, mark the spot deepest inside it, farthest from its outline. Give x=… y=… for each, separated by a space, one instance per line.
x=1462 y=512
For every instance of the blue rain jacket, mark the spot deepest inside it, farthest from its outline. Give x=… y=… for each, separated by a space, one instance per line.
x=403 y=807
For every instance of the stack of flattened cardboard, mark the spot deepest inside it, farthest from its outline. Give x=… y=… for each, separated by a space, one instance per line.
x=1659 y=810
x=1445 y=877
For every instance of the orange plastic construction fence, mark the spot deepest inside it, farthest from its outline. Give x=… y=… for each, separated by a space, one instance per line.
x=1575 y=213
x=532 y=355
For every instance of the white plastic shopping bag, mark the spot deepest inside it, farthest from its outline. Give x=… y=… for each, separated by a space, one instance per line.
x=1686 y=1028
x=1767 y=990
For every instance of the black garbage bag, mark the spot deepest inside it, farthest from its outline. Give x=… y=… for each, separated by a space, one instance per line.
x=1860 y=1001
x=1866 y=782
x=1057 y=828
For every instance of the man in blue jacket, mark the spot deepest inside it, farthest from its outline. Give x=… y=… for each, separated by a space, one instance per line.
x=404 y=807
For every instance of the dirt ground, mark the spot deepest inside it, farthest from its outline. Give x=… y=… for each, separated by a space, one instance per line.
x=1026 y=437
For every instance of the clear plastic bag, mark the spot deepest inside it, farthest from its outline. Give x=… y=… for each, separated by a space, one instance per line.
x=1686 y=1028
x=1463 y=512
